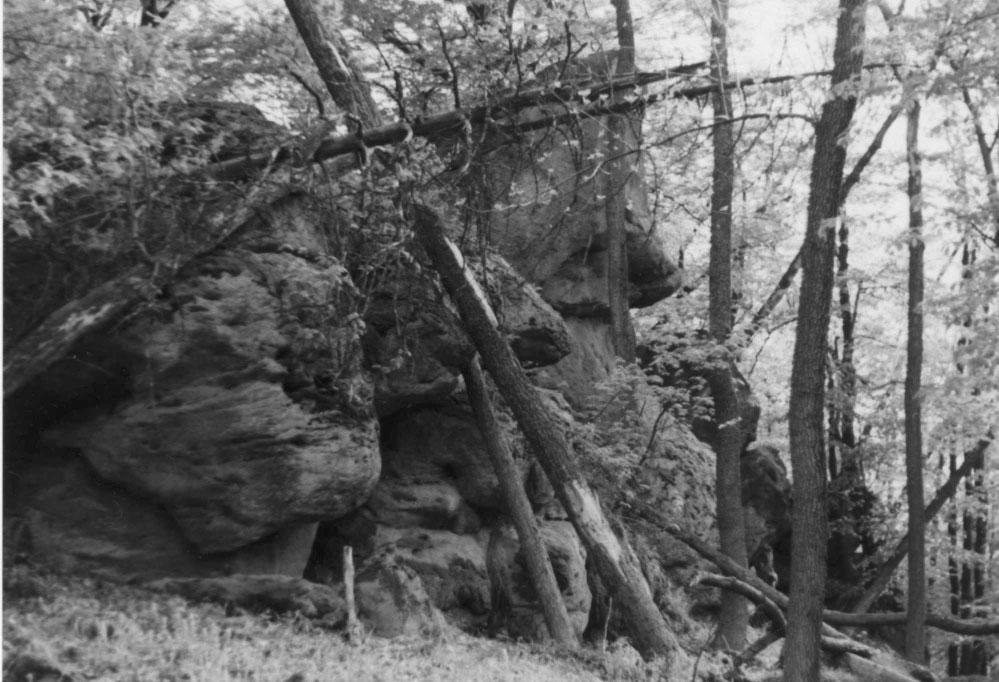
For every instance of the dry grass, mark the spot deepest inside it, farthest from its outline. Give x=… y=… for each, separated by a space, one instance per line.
x=89 y=629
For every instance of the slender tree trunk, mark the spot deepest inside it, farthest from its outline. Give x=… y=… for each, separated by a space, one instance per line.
x=618 y=168
x=915 y=629
x=614 y=559
x=734 y=617
x=852 y=178
x=807 y=400
x=538 y=566
x=847 y=483
x=972 y=461
x=985 y=149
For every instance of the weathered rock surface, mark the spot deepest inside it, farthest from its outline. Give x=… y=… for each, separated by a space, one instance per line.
x=590 y=361
x=402 y=503
x=281 y=594
x=415 y=342
x=537 y=334
x=247 y=412
x=431 y=446
x=514 y=602
x=452 y=567
x=392 y=602
x=553 y=226
x=579 y=287
x=766 y=500
x=72 y=519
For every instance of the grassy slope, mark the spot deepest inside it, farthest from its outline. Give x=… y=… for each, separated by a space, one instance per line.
x=90 y=629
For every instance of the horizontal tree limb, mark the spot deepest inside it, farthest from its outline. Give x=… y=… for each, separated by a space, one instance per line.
x=746 y=590
x=971 y=626
x=972 y=460
x=589 y=98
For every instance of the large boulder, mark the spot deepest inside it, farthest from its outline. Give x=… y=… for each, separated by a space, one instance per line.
x=392 y=602
x=766 y=501
x=70 y=518
x=246 y=410
x=452 y=567
x=436 y=505
x=416 y=344
x=552 y=225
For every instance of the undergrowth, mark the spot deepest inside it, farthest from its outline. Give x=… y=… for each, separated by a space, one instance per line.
x=89 y=629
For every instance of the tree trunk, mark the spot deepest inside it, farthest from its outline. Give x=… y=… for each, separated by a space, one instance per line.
x=340 y=78
x=348 y=91
x=538 y=566
x=615 y=561
x=787 y=279
x=807 y=400
x=985 y=150
x=972 y=461
x=618 y=170
x=734 y=617
x=915 y=629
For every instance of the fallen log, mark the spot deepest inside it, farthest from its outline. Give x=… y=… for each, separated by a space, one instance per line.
x=972 y=460
x=971 y=626
x=746 y=590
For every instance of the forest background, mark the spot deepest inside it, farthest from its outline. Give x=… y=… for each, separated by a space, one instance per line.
x=939 y=53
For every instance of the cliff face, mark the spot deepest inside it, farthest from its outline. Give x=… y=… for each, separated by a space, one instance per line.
x=270 y=409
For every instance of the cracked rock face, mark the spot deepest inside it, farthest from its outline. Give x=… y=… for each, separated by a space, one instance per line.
x=246 y=410
x=417 y=346
x=551 y=223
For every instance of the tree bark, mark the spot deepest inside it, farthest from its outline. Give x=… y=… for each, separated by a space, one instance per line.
x=615 y=561
x=538 y=566
x=915 y=629
x=807 y=400
x=985 y=150
x=734 y=616
x=618 y=170
x=340 y=78
x=730 y=584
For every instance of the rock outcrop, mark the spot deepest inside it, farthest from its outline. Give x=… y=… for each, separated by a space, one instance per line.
x=414 y=341
x=242 y=409
x=766 y=500
x=552 y=225
x=278 y=403
x=514 y=601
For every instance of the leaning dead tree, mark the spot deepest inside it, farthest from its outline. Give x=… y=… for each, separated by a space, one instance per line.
x=615 y=561
x=536 y=559
x=351 y=94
